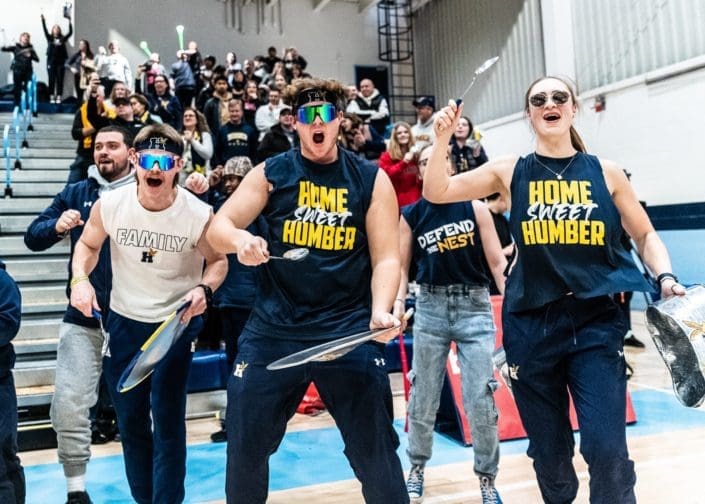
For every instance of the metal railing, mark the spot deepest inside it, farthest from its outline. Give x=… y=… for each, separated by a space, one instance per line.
x=21 y=123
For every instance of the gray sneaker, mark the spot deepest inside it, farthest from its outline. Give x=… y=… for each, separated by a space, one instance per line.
x=489 y=492
x=414 y=485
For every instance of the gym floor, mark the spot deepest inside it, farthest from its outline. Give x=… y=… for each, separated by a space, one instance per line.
x=667 y=444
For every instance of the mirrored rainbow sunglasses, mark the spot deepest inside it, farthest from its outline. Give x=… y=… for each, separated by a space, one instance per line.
x=164 y=162
x=326 y=111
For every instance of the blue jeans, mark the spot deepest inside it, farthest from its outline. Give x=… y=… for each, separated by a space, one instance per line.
x=462 y=314
x=572 y=345
x=155 y=454
x=355 y=389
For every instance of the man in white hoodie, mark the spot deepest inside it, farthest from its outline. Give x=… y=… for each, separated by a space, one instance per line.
x=370 y=106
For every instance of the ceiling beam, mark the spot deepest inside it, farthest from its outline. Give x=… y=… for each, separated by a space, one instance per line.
x=318 y=5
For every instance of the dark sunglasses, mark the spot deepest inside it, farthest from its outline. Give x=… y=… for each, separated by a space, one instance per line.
x=326 y=111
x=164 y=162
x=558 y=97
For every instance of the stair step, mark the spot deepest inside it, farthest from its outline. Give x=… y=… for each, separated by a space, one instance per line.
x=12 y=246
x=15 y=223
x=43 y=163
x=53 y=153
x=24 y=205
x=44 y=141
x=36 y=189
x=56 y=308
x=43 y=294
x=36 y=270
x=38 y=329
x=19 y=176
x=25 y=348
x=34 y=396
x=34 y=373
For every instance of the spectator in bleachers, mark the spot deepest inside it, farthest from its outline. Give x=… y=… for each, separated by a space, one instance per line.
x=23 y=55
x=237 y=86
x=291 y=57
x=12 y=482
x=370 y=106
x=279 y=80
x=399 y=161
x=195 y=61
x=84 y=133
x=81 y=65
x=466 y=150
x=360 y=138
x=140 y=109
x=231 y=66
x=280 y=138
x=149 y=70
x=112 y=66
x=248 y=69
x=198 y=144
x=107 y=106
x=423 y=129
x=234 y=298
x=260 y=68
x=184 y=81
x=56 y=58
x=79 y=353
x=216 y=108
x=235 y=138
x=164 y=104
x=251 y=102
x=271 y=59
x=268 y=115
x=124 y=115
x=205 y=82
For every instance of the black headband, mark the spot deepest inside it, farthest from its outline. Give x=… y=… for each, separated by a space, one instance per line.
x=160 y=143
x=310 y=95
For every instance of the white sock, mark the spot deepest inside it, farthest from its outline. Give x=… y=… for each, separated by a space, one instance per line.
x=76 y=483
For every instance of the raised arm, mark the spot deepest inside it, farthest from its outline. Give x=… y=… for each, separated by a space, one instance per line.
x=440 y=187
x=383 y=238
x=85 y=258
x=227 y=233
x=491 y=247
x=637 y=224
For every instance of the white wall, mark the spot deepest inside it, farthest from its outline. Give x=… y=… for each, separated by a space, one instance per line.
x=21 y=16
x=654 y=130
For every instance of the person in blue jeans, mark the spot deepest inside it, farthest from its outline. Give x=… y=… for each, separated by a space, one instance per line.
x=158 y=252
x=562 y=330
x=343 y=209
x=448 y=245
x=12 y=482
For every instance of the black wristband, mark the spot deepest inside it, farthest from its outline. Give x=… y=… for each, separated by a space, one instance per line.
x=209 y=293
x=663 y=276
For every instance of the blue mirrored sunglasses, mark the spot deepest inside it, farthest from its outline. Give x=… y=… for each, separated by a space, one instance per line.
x=326 y=111
x=164 y=162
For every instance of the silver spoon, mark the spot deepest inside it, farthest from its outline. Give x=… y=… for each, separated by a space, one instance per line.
x=295 y=254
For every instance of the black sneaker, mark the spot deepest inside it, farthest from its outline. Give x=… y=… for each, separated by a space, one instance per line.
x=414 y=485
x=633 y=341
x=219 y=437
x=78 y=498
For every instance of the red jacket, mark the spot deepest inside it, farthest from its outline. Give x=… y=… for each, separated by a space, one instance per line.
x=404 y=177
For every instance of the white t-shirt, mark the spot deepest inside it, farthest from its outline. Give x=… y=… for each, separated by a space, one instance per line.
x=424 y=132
x=154 y=257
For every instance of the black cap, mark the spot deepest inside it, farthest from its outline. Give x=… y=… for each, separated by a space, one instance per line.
x=425 y=101
x=121 y=100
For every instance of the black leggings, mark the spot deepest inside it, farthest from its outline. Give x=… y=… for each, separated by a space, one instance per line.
x=56 y=77
x=20 y=80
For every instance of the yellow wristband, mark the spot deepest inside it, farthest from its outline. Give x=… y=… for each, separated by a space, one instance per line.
x=77 y=279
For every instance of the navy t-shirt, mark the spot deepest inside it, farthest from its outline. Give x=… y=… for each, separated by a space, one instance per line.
x=567 y=233
x=322 y=208
x=446 y=243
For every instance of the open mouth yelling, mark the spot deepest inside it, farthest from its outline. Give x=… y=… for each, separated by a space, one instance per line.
x=551 y=117
x=154 y=182
x=318 y=137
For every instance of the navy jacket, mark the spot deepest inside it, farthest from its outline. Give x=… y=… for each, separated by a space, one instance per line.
x=41 y=235
x=10 y=314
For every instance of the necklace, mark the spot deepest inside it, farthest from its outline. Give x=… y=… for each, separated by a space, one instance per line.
x=559 y=175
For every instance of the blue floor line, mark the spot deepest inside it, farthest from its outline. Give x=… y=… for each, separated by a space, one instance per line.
x=316 y=456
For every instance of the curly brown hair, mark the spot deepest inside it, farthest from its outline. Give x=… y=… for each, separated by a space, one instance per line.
x=291 y=92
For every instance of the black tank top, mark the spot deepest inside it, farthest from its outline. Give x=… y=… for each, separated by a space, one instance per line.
x=322 y=208
x=446 y=243
x=567 y=233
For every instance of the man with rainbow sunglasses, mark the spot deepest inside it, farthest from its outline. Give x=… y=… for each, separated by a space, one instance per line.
x=158 y=247
x=343 y=209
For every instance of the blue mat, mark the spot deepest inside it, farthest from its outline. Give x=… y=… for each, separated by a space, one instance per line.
x=316 y=456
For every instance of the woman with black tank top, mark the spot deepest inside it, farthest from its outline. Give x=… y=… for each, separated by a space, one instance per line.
x=562 y=330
